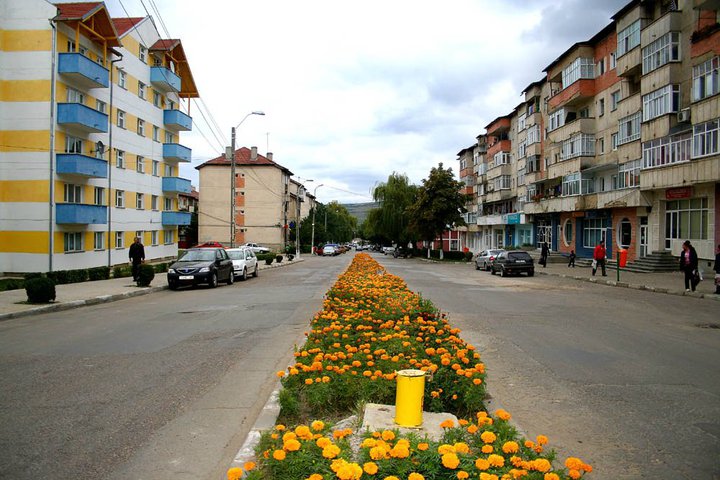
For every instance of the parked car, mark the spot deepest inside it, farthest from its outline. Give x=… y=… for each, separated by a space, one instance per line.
x=513 y=262
x=388 y=250
x=256 y=248
x=201 y=265
x=485 y=258
x=330 y=249
x=244 y=262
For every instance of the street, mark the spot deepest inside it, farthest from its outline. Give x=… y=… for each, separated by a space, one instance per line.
x=167 y=385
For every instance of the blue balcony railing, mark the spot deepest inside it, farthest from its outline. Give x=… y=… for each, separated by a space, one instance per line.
x=164 y=79
x=176 y=218
x=175 y=184
x=79 y=213
x=177 y=120
x=83 y=117
x=77 y=164
x=175 y=151
x=83 y=71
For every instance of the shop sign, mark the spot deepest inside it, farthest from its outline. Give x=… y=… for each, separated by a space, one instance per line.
x=678 y=193
x=511 y=219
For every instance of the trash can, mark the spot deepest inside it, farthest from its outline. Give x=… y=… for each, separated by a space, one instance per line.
x=409 y=398
x=623 y=257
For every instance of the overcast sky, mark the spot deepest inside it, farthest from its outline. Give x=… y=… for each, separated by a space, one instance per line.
x=353 y=91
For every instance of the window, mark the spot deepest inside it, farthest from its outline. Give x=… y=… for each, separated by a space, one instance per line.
x=155 y=168
x=74 y=96
x=629 y=174
x=705 y=79
x=628 y=39
x=557 y=119
x=100 y=106
x=119 y=158
x=156 y=133
x=122 y=79
x=142 y=90
x=521 y=149
x=567 y=232
x=580 y=144
x=613 y=60
x=154 y=237
x=140 y=165
x=73 y=144
x=624 y=233
x=154 y=202
x=70 y=46
x=686 y=219
x=661 y=102
x=140 y=201
x=600 y=67
x=601 y=107
x=171 y=105
x=120 y=198
x=593 y=232
x=629 y=128
x=168 y=170
x=141 y=127
x=521 y=177
x=157 y=99
x=533 y=135
x=501 y=158
x=614 y=141
x=601 y=145
x=142 y=54
x=72 y=242
x=169 y=137
x=119 y=239
x=614 y=100
x=72 y=193
x=571 y=184
x=120 y=118
x=521 y=122
x=99 y=197
x=168 y=204
x=666 y=151
x=503 y=182
x=664 y=50
x=169 y=236
x=705 y=139
x=579 y=68
x=99 y=241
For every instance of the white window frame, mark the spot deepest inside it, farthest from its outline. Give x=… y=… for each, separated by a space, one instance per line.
x=167 y=204
x=156 y=133
x=119 y=239
x=706 y=139
x=629 y=174
x=72 y=242
x=660 y=52
x=594 y=231
x=154 y=237
x=571 y=184
x=169 y=137
x=169 y=237
x=706 y=79
x=142 y=53
x=141 y=127
x=142 y=90
x=521 y=122
x=72 y=193
x=99 y=241
x=682 y=215
x=503 y=182
x=614 y=100
x=629 y=128
x=121 y=119
x=100 y=106
x=154 y=202
x=73 y=144
x=580 y=68
x=157 y=99
x=661 y=102
x=533 y=135
x=556 y=119
x=140 y=201
x=628 y=38
x=155 y=168
x=666 y=151
x=120 y=198
x=122 y=79
x=99 y=196
x=75 y=96
x=119 y=158
x=140 y=164
x=578 y=145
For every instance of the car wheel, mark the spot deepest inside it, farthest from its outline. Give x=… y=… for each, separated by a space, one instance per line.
x=257 y=271
x=213 y=280
x=243 y=277
x=173 y=285
x=502 y=272
x=231 y=278
x=531 y=273
x=477 y=267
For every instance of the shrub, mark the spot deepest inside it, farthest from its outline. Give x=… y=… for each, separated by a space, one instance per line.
x=60 y=277
x=278 y=258
x=77 y=276
x=11 y=284
x=40 y=290
x=122 y=271
x=28 y=276
x=145 y=275
x=161 y=268
x=468 y=256
x=98 y=273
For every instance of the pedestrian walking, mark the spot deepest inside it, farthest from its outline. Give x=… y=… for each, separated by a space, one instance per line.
x=544 y=254
x=571 y=262
x=599 y=258
x=717 y=270
x=137 y=257
x=689 y=265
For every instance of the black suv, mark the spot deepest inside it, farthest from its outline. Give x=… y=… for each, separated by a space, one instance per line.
x=514 y=261
x=201 y=265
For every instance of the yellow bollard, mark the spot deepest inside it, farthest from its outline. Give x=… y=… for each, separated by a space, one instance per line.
x=409 y=398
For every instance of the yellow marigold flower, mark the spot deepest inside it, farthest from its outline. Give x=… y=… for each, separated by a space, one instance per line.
x=318 y=425
x=551 y=476
x=510 y=447
x=349 y=471
x=308 y=381
x=574 y=463
x=423 y=446
x=291 y=445
x=461 y=447
x=488 y=436
x=574 y=474
x=447 y=423
x=370 y=468
x=542 y=439
x=294 y=371
x=378 y=452
x=450 y=460
x=234 y=473
x=391 y=477
x=482 y=464
x=315 y=476
x=388 y=435
x=415 y=476
x=496 y=460
x=287 y=436
x=445 y=448
x=331 y=451
x=323 y=442
x=249 y=466
x=303 y=431
x=462 y=475
x=487 y=449
x=518 y=473
x=280 y=427
x=502 y=414
x=279 y=455
x=280 y=373
x=529 y=444
x=541 y=465
x=488 y=476
x=368 y=443
x=399 y=451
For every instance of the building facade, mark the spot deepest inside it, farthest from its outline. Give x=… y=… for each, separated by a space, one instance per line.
x=91 y=110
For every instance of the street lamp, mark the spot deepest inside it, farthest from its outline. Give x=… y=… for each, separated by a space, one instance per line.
x=230 y=155
x=312 y=235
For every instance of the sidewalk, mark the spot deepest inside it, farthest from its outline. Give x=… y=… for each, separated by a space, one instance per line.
x=76 y=295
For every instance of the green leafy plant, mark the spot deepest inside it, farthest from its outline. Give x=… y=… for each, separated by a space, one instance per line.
x=98 y=273
x=40 y=290
x=278 y=258
x=145 y=275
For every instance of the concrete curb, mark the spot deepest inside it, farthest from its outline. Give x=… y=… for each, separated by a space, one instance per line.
x=264 y=421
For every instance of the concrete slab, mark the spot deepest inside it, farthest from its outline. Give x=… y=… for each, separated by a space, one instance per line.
x=382 y=417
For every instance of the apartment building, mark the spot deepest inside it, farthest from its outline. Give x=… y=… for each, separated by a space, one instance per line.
x=90 y=118
x=618 y=142
x=267 y=201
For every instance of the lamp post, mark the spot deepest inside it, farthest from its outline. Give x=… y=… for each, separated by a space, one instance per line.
x=230 y=155
x=312 y=235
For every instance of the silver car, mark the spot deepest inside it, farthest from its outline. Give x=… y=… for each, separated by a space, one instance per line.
x=244 y=262
x=485 y=258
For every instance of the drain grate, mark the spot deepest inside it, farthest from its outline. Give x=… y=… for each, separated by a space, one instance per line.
x=708 y=325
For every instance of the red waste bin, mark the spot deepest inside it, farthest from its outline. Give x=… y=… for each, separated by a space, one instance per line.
x=623 y=257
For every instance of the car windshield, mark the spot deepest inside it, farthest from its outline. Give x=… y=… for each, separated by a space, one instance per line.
x=236 y=254
x=519 y=256
x=198 y=256
x=494 y=252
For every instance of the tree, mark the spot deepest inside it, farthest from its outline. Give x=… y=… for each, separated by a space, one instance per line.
x=333 y=223
x=439 y=205
x=391 y=220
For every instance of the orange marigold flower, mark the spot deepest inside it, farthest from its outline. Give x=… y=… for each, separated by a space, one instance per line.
x=461 y=447
x=574 y=463
x=280 y=427
x=331 y=451
x=447 y=423
x=551 y=476
x=318 y=425
x=541 y=465
x=234 y=473
x=488 y=476
x=315 y=476
x=510 y=447
x=496 y=460
x=462 y=422
x=502 y=414
x=477 y=381
x=423 y=446
x=487 y=449
x=574 y=474
x=415 y=476
x=249 y=466
x=370 y=468
x=279 y=455
x=280 y=373
x=303 y=431
x=462 y=475
x=542 y=439
x=308 y=381
x=291 y=445
x=450 y=460
x=472 y=429
x=323 y=442
x=388 y=435
x=488 y=436
x=445 y=448
x=482 y=464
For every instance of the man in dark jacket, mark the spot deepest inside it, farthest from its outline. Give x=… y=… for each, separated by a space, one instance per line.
x=689 y=265
x=137 y=256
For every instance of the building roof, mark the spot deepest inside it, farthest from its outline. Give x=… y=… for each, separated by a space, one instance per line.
x=610 y=28
x=174 y=49
x=124 y=25
x=534 y=84
x=242 y=159
x=103 y=28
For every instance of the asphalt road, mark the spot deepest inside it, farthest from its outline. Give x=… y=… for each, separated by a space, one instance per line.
x=627 y=380
x=155 y=387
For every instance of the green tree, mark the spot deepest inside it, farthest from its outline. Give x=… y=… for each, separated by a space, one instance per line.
x=333 y=223
x=391 y=220
x=439 y=205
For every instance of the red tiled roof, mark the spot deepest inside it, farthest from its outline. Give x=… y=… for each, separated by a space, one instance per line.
x=167 y=44
x=242 y=158
x=122 y=25
x=76 y=11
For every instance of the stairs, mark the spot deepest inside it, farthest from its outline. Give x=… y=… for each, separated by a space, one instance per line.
x=661 y=261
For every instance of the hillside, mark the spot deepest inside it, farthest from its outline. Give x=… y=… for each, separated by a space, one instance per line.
x=360 y=210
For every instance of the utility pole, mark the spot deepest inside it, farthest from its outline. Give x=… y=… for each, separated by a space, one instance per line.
x=312 y=235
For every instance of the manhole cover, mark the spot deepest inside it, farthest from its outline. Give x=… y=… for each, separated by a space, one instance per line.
x=708 y=325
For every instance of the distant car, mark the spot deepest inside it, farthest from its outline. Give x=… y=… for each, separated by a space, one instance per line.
x=330 y=249
x=388 y=250
x=256 y=248
x=513 y=262
x=244 y=262
x=485 y=258
x=201 y=265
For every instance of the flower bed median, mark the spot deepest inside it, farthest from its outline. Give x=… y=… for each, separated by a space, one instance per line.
x=370 y=327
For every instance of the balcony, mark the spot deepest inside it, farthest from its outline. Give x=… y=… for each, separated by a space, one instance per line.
x=490 y=220
x=83 y=71
x=499 y=195
x=82 y=117
x=175 y=185
x=176 y=218
x=499 y=170
x=576 y=93
x=555 y=205
x=77 y=164
x=626 y=197
x=629 y=64
x=177 y=120
x=573 y=127
x=80 y=214
x=177 y=152
x=164 y=79
x=670 y=22
x=501 y=146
